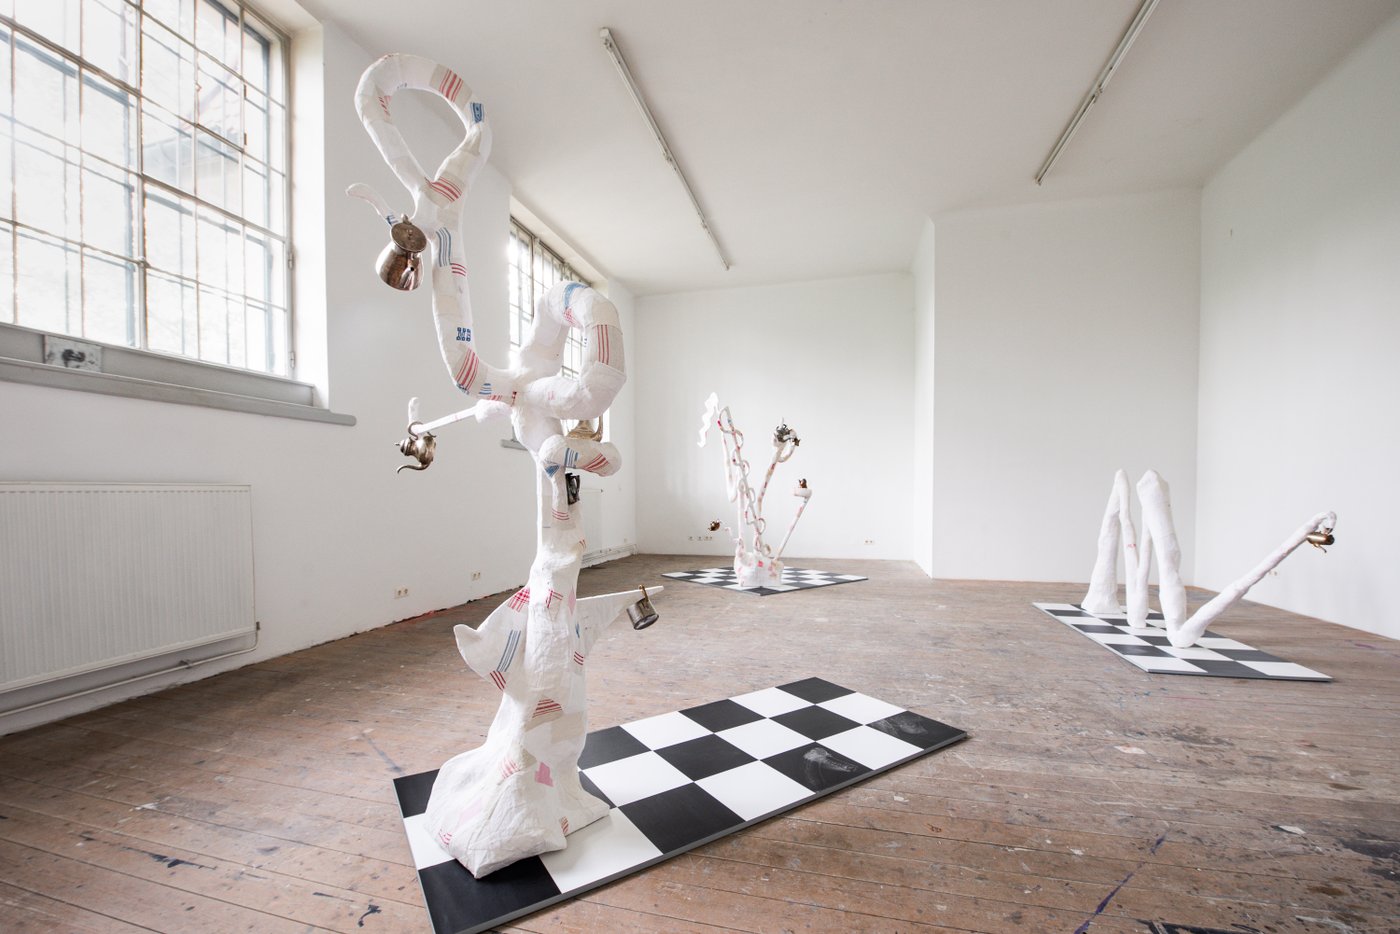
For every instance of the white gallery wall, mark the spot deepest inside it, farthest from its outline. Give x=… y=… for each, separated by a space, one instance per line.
x=335 y=531
x=1066 y=337
x=921 y=496
x=1300 y=338
x=834 y=358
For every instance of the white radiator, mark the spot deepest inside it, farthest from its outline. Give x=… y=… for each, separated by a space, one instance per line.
x=98 y=575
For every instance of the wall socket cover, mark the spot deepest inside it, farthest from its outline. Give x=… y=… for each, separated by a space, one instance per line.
x=71 y=354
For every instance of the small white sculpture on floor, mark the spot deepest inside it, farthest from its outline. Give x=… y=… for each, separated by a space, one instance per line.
x=1159 y=532
x=518 y=794
x=756 y=563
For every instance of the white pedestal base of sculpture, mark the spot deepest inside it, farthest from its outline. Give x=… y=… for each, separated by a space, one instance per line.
x=1159 y=531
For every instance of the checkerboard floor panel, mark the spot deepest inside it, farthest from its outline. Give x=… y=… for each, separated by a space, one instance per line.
x=677 y=781
x=1149 y=649
x=793 y=579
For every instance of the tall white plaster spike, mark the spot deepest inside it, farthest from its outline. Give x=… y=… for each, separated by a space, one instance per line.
x=518 y=794
x=1160 y=530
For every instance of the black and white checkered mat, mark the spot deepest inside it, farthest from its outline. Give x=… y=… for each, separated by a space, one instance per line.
x=793 y=579
x=1150 y=650
x=677 y=781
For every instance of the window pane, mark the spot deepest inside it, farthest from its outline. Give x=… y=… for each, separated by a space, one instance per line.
x=277 y=203
x=49 y=103
x=46 y=184
x=109 y=300
x=257 y=266
x=167 y=70
x=257 y=319
x=216 y=32
x=175 y=14
x=217 y=176
x=255 y=125
x=172 y=316
x=7 y=127
x=109 y=122
x=167 y=148
x=48 y=284
x=170 y=233
x=257 y=55
x=109 y=208
x=278 y=335
x=7 y=273
x=109 y=37
x=220 y=101
x=55 y=20
x=277 y=137
x=255 y=193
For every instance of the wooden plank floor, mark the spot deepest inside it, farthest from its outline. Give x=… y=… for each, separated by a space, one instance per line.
x=1091 y=797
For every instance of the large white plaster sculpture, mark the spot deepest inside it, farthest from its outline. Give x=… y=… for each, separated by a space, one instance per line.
x=1159 y=532
x=518 y=794
x=756 y=563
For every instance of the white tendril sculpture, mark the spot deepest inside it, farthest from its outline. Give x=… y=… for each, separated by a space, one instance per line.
x=756 y=563
x=518 y=794
x=1160 y=532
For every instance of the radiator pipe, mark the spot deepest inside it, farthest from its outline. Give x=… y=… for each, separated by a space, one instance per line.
x=182 y=665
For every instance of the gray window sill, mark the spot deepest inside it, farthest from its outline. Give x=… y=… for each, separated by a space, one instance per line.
x=137 y=374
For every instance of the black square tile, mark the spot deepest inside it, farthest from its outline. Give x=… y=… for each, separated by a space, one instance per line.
x=815 y=722
x=704 y=756
x=681 y=817
x=1155 y=640
x=1220 y=666
x=414 y=791
x=919 y=730
x=1153 y=650
x=1248 y=655
x=1067 y=612
x=609 y=745
x=815 y=690
x=459 y=902
x=1096 y=627
x=817 y=767
x=721 y=715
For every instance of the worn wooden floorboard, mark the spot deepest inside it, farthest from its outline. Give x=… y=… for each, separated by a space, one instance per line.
x=1091 y=797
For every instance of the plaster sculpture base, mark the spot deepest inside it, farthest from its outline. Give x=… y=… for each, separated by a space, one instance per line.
x=674 y=782
x=1150 y=649
x=792 y=579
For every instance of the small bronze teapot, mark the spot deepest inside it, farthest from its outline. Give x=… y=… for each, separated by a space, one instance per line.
x=642 y=613
x=401 y=263
x=419 y=445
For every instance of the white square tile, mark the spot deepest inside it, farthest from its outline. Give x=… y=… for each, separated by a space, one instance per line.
x=754 y=789
x=1115 y=638
x=665 y=730
x=1194 y=651
x=607 y=846
x=770 y=702
x=1283 y=670
x=861 y=708
x=636 y=777
x=1138 y=630
x=763 y=738
x=849 y=577
x=780 y=587
x=1216 y=642
x=1160 y=663
x=426 y=851
x=870 y=747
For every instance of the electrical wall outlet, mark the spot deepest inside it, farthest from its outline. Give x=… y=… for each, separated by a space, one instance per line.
x=870 y=541
x=400 y=592
x=476 y=575
x=71 y=354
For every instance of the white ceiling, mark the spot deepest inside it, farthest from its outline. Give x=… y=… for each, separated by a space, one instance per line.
x=818 y=134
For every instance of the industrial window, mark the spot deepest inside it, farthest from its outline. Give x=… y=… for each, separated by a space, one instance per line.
x=143 y=177
x=534 y=267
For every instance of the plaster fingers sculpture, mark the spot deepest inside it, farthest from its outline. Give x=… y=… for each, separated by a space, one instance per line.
x=756 y=563
x=1159 y=531
x=518 y=794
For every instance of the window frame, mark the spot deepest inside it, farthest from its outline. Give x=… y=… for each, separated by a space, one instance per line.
x=522 y=312
x=134 y=370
